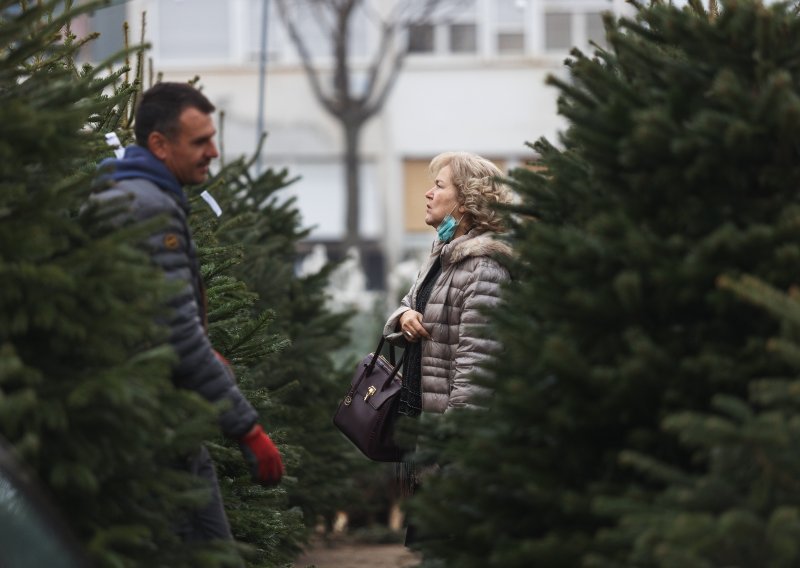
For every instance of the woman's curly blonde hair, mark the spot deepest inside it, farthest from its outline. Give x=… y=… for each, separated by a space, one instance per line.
x=479 y=188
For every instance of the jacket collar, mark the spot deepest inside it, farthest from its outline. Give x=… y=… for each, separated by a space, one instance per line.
x=474 y=243
x=139 y=162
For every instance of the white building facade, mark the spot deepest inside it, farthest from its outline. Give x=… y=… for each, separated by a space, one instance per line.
x=474 y=80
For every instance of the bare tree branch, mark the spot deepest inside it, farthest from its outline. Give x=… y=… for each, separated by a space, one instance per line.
x=350 y=107
x=374 y=69
x=305 y=57
x=374 y=102
x=380 y=99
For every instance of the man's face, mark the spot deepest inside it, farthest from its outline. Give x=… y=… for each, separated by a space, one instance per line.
x=190 y=151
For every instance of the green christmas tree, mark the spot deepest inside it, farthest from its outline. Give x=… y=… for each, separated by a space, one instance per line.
x=301 y=376
x=261 y=518
x=258 y=311
x=740 y=503
x=85 y=395
x=679 y=165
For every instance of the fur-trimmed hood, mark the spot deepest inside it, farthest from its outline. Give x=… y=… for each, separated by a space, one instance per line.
x=474 y=244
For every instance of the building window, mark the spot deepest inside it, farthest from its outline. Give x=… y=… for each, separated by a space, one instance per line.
x=416 y=181
x=463 y=38
x=575 y=23
x=202 y=32
x=108 y=21
x=448 y=31
x=421 y=38
x=510 y=42
x=460 y=26
x=321 y=196
x=595 y=30
x=558 y=31
x=511 y=27
x=511 y=16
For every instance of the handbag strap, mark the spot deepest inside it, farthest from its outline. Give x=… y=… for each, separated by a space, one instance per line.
x=391 y=357
x=371 y=366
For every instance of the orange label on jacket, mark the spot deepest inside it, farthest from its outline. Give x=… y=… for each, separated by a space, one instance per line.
x=171 y=241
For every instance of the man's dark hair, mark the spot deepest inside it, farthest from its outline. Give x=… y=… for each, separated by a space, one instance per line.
x=161 y=106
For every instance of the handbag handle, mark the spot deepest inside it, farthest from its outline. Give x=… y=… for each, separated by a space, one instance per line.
x=371 y=366
x=391 y=357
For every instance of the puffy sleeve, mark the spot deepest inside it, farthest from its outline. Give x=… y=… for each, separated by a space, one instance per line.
x=475 y=345
x=391 y=330
x=197 y=368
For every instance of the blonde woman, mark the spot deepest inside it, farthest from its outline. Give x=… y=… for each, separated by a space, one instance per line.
x=441 y=319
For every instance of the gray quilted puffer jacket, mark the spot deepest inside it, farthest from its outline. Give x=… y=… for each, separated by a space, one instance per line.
x=173 y=249
x=470 y=281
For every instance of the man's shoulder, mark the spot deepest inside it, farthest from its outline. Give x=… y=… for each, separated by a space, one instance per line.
x=137 y=199
x=140 y=188
x=141 y=192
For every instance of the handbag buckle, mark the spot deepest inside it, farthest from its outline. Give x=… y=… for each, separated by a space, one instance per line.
x=370 y=392
x=347 y=400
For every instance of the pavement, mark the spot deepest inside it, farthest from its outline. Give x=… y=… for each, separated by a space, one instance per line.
x=339 y=555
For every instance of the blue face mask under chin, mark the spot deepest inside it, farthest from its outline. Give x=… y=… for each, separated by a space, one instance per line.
x=447 y=228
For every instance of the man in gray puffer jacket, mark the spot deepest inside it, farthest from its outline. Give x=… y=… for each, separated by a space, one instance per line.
x=174 y=146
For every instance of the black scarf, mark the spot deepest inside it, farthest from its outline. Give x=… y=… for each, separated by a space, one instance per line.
x=411 y=393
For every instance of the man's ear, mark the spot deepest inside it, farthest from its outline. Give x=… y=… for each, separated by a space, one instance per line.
x=157 y=144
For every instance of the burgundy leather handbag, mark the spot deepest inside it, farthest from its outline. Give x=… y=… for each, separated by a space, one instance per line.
x=368 y=411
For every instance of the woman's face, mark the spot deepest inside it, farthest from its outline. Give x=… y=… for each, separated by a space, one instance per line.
x=442 y=198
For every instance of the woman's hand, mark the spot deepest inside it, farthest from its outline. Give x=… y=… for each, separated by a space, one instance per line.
x=411 y=326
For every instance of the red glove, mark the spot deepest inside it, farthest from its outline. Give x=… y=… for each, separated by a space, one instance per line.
x=262 y=456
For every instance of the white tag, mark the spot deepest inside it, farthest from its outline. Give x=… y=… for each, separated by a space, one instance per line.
x=208 y=198
x=113 y=140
